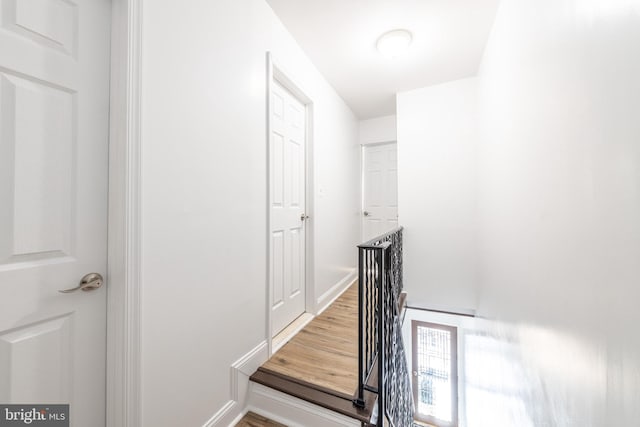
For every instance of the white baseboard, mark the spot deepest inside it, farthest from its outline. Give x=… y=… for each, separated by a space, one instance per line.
x=292 y=411
x=326 y=299
x=241 y=370
x=224 y=416
x=238 y=404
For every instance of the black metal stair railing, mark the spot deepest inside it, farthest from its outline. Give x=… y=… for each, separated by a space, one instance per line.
x=380 y=335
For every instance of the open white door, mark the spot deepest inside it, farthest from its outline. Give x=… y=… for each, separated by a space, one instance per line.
x=380 y=189
x=54 y=109
x=287 y=143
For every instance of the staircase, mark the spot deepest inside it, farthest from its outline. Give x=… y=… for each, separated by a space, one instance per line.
x=348 y=365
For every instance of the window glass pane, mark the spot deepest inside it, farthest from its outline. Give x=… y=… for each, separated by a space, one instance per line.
x=434 y=376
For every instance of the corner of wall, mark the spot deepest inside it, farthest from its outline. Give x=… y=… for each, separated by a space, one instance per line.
x=335 y=291
x=240 y=372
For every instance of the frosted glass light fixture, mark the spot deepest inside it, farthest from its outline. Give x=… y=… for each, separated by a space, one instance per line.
x=394 y=43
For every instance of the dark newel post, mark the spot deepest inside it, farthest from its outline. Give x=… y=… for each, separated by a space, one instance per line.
x=359 y=401
x=380 y=326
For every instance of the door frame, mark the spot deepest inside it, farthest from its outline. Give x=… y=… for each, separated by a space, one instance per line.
x=278 y=73
x=123 y=370
x=363 y=147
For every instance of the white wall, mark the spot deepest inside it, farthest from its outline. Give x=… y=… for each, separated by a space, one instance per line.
x=379 y=129
x=437 y=173
x=560 y=214
x=556 y=155
x=204 y=195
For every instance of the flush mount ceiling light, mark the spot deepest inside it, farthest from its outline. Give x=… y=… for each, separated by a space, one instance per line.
x=394 y=43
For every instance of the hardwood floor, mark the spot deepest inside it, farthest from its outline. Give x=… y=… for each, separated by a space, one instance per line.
x=287 y=333
x=324 y=355
x=255 y=420
x=320 y=363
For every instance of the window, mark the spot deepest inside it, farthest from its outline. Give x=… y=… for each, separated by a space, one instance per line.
x=435 y=373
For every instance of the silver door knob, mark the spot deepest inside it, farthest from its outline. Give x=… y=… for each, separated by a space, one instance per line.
x=366 y=213
x=89 y=282
x=303 y=217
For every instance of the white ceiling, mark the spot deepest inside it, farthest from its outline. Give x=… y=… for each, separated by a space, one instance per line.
x=340 y=36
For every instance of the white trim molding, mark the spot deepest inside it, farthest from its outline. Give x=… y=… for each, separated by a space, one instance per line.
x=326 y=299
x=124 y=267
x=294 y=412
x=240 y=372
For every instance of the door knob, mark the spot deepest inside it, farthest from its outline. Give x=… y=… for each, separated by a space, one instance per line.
x=89 y=282
x=303 y=217
x=366 y=213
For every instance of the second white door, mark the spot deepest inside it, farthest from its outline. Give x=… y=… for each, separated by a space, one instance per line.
x=287 y=209
x=380 y=190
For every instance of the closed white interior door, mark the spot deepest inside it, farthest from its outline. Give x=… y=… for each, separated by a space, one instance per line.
x=380 y=190
x=287 y=210
x=54 y=109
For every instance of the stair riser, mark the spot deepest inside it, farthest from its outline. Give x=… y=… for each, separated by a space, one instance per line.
x=292 y=411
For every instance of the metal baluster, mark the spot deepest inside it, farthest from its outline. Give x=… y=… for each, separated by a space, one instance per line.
x=359 y=401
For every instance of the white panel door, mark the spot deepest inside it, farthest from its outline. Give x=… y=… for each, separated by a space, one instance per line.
x=380 y=190
x=54 y=109
x=287 y=214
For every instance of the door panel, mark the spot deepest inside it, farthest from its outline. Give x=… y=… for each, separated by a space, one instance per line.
x=297 y=258
x=380 y=190
x=54 y=109
x=45 y=345
x=38 y=123
x=287 y=224
x=278 y=257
